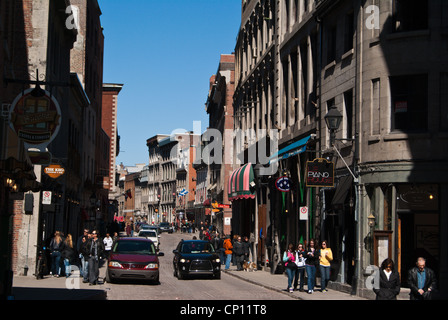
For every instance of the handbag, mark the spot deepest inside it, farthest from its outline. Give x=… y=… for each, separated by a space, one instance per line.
x=288 y=264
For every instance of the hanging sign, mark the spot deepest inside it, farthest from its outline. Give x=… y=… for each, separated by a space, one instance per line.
x=35 y=119
x=54 y=171
x=320 y=173
x=283 y=184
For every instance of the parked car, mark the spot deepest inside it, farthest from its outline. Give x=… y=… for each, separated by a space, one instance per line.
x=196 y=257
x=133 y=258
x=150 y=234
x=165 y=227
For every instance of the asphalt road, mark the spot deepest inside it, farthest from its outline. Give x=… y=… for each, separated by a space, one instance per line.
x=170 y=288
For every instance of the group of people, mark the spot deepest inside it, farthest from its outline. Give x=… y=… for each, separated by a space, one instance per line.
x=298 y=260
x=86 y=255
x=236 y=251
x=421 y=279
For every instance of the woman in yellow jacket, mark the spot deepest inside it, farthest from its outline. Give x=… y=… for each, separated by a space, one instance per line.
x=324 y=261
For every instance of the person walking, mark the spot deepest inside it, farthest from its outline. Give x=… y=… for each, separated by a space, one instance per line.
x=290 y=265
x=300 y=272
x=69 y=255
x=95 y=251
x=228 y=251
x=79 y=245
x=238 y=250
x=246 y=247
x=326 y=256
x=108 y=242
x=312 y=259
x=389 y=281
x=422 y=281
x=56 y=248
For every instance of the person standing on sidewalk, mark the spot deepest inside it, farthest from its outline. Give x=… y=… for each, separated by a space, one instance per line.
x=69 y=255
x=312 y=259
x=95 y=249
x=422 y=281
x=228 y=251
x=326 y=256
x=108 y=242
x=389 y=281
x=290 y=265
x=238 y=250
x=56 y=248
x=300 y=272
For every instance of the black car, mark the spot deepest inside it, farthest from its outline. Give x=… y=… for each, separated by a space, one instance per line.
x=165 y=227
x=196 y=257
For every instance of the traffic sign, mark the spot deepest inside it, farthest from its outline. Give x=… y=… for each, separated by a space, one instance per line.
x=46 y=197
x=303 y=213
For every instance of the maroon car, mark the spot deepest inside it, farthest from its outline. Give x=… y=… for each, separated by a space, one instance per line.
x=133 y=258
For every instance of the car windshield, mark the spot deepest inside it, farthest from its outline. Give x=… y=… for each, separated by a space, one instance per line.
x=164 y=224
x=148 y=233
x=197 y=247
x=134 y=247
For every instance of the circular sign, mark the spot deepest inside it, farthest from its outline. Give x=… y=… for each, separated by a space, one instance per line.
x=35 y=120
x=283 y=184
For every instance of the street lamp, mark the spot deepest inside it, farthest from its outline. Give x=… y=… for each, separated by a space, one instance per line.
x=333 y=120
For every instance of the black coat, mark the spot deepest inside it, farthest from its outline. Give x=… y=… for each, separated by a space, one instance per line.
x=389 y=288
x=430 y=283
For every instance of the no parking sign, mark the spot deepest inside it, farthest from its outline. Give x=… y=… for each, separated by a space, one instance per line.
x=303 y=213
x=46 y=197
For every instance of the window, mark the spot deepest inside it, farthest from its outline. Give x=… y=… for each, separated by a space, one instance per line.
x=331 y=44
x=409 y=103
x=410 y=15
x=349 y=31
x=348 y=116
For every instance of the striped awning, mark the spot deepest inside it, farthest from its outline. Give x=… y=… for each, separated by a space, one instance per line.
x=239 y=186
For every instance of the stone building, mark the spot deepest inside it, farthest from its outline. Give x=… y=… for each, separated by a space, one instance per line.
x=382 y=65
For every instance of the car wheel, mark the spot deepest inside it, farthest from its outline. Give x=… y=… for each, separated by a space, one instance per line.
x=217 y=276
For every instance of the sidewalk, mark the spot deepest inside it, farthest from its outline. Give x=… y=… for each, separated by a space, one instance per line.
x=62 y=288
x=278 y=282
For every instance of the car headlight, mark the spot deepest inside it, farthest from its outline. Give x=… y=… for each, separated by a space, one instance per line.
x=182 y=260
x=152 y=266
x=217 y=260
x=115 y=264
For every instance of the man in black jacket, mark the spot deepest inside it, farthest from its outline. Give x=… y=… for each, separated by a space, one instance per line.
x=422 y=281
x=94 y=251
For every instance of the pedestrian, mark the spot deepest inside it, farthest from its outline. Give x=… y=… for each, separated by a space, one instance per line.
x=79 y=244
x=115 y=237
x=290 y=265
x=325 y=258
x=56 y=248
x=128 y=229
x=312 y=259
x=108 y=242
x=238 y=250
x=300 y=272
x=389 y=281
x=95 y=251
x=228 y=251
x=84 y=258
x=69 y=255
x=246 y=246
x=422 y=281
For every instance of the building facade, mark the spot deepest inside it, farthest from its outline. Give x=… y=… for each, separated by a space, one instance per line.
x=383 y=69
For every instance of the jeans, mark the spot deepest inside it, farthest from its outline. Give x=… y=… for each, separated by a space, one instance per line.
x=84 y=268
x=300 y=273
x=68 y=267
x=55 y=260
x=311 y=274
x=324 y=276
x=94 y=270
x=290 y=273
x=229 y=258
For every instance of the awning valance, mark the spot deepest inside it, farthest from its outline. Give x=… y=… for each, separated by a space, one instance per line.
x=239 y=186
x=291 y=150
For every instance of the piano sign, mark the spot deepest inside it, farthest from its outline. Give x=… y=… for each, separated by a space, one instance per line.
x=320 y=173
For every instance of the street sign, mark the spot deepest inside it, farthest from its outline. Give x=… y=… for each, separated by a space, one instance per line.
x=226 y=206
x=46 y=197
x=303 y=214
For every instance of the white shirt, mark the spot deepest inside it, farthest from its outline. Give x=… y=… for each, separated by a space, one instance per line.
x=108 y=243
x=387 y=274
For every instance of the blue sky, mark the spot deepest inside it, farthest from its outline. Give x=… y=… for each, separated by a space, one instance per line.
x=164 y=52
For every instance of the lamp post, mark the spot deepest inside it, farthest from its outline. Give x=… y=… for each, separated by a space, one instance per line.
x=333 y=120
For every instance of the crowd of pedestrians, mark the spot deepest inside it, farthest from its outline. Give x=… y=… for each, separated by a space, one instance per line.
x=86 y=256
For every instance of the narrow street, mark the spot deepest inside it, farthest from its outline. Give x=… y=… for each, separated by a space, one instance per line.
x=170 y=288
